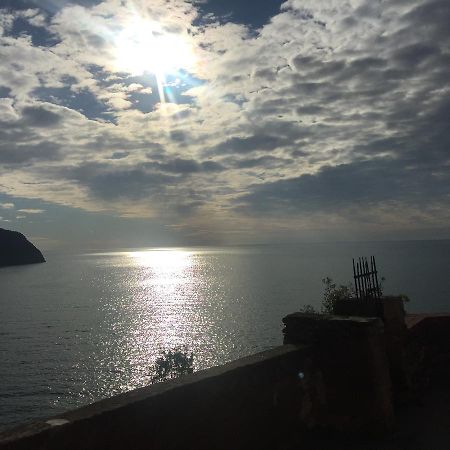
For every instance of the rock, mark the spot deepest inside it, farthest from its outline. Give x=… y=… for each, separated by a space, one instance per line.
x=16 y=249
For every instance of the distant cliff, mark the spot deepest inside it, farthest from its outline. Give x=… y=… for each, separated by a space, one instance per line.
x=16 y=249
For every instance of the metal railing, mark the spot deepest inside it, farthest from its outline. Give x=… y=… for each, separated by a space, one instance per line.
x=366 y=279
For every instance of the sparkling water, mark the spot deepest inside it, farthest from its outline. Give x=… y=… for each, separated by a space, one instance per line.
x=83 y=327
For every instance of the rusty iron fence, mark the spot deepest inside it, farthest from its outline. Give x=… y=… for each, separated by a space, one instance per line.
x=366 y=279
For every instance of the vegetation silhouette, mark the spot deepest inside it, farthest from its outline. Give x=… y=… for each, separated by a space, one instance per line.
x=173 y=364
x=333 y=293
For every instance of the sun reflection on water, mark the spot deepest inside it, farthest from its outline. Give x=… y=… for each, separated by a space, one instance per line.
x=163 y=260
x=168 y=273
x=164 y=300
x=149 y=301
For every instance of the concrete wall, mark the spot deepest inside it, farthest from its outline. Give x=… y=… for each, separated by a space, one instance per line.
x=391 y=311
x=351 y=355
x=430 y=341
x=248 y=403
x=332 y=374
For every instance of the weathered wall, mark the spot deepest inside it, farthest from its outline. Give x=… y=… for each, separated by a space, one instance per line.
x=391 y=311
x=430 y=340
x=332 y=374
x=244 y=404
x=351 y=355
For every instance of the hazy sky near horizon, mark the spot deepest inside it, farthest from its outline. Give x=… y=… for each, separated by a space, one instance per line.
x=154 y=122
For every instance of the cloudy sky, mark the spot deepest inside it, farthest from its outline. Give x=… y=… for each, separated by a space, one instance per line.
x=157 y=122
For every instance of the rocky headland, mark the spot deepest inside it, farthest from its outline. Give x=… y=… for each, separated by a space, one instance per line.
x=16 y=249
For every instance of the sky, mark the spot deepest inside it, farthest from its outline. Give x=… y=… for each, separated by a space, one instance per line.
x=127 y=123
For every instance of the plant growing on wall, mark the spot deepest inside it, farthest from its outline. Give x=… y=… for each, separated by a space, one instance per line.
x=172 y=364
x=333 y=293
x=308 y=309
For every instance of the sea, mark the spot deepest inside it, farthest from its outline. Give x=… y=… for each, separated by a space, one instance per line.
x=86 y=326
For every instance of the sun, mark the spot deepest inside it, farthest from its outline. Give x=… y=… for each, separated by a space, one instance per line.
x=143 y=46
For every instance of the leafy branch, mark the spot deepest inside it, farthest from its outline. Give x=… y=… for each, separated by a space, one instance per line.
x=172 y=364
x=332 y=293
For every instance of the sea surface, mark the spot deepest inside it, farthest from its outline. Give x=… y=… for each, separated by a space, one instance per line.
x=82 y=327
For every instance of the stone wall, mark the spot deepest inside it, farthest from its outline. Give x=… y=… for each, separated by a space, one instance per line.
x=391 y=311
x=351 y=357
x=332 y=374
x=248 y=403
x=429 y=336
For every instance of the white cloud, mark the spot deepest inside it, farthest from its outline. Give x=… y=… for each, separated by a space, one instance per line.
x=6 y=21
x=325 y=83
x=7 y=110
x=31 y=211
x=7 y=205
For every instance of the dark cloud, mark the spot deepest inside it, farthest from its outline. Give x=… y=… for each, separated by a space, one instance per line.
x=4 y=91
x=430 y=18
x=38 y=116
x=20 y=141
x=267 y=73
x=111 y=183
x=250 y=144
x=298 y=153
x=46 y=5
x=361 y=184
x=212 y=166
x=119 y=155
x=20 y=154
x=415 y=54
x=150 y=180
x=96 y=41
x=178 y=136
x=188 y=208
x=182 y=166
x=309 y=109
x=262 y=162
x=271 y=107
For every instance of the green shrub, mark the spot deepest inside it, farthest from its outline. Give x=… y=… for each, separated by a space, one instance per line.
x=172 y=364
x=332 y=293
x=308 y=309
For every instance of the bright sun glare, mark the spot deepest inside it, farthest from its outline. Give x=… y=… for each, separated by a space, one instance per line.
x=163 y=260
x=143 y=46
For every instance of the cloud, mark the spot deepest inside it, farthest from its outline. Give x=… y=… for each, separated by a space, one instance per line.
x=31 y=211
x=38 y=116
x=361 y=184
x=327 y=107
x=250 y=144
x=189 y=166
x=119 y=155
x=7 y=205
x=7 y=110
x=108 y=182
x=16 y=154
x=262 y=161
